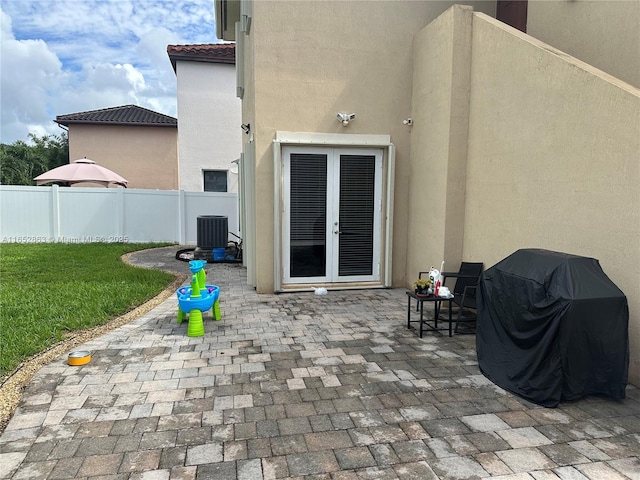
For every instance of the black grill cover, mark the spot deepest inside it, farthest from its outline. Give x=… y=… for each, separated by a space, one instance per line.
x=551 y=327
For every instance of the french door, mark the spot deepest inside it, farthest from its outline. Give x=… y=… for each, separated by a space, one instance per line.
x=331 y=215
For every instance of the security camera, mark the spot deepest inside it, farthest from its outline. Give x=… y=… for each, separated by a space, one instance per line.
x=345 y=118
x=408 y=121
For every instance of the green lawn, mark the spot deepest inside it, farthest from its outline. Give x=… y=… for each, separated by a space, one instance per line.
x=48 y=290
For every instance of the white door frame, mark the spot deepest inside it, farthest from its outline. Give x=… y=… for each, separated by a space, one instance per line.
x=333 y=226
x=385 y=200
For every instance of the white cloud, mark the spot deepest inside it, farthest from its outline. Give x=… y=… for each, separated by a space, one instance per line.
x=110 y=78
x=135 y=78
x=30 y=72
x=68 y=56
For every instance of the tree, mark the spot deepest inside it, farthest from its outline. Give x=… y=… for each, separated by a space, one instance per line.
x=20 y=162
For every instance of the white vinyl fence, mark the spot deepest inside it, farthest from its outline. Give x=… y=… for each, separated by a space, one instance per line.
x=86 y=214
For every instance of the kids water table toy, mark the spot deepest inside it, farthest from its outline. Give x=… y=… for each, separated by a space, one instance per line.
x=197 y=299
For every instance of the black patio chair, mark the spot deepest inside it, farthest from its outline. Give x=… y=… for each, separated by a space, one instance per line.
x=464 y=292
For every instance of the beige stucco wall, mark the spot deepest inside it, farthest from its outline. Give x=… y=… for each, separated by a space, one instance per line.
x=146 y=156
x=553 y=160
x=603 y=33
x=440 y=112
x=311 y=60
x=514 y=144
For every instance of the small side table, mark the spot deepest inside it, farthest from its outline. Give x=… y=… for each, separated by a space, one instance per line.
x=437 y=304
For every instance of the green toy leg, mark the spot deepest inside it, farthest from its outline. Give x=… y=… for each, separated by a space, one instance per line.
x=181 y=316
x=216 y=311
x=196 y=326
x=202 y=279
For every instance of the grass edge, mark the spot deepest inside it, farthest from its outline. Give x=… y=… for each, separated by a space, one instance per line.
x=11 y=389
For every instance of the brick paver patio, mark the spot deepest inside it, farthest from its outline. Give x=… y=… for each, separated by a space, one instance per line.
x=300 y=386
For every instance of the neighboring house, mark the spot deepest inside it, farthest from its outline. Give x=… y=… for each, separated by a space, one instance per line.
x=512 y=142
x=209 y=137
x=138 y=144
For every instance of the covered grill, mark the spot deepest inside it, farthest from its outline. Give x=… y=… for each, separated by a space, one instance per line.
x=551 y=327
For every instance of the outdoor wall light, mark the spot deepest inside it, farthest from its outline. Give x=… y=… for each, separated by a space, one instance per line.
x=234 y=166
x=345 y=118
x=246 y=128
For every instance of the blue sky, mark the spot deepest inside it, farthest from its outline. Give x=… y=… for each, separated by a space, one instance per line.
x=67 y=56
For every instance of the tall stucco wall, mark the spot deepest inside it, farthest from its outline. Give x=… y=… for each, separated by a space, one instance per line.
x=440 y=112
x=146 y=156
x=603 y=33
x=312 y=60
x=209 y=119
x=553 y=160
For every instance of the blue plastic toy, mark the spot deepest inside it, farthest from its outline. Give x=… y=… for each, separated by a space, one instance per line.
x=197 y=299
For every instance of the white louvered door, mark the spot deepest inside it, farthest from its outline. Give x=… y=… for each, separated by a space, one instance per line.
x=332 y=205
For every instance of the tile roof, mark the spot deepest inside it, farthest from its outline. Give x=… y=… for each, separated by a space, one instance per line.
x=123 y=115
x=209 y=53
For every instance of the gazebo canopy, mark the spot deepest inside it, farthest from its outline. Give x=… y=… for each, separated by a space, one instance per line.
x=81 y=171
